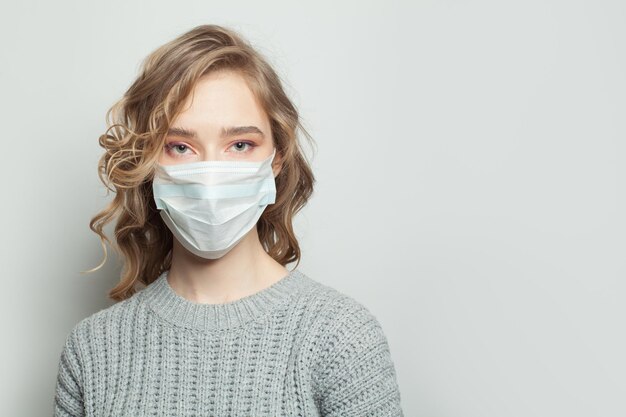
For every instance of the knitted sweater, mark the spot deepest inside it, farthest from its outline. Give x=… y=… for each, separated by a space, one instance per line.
x=295 y=348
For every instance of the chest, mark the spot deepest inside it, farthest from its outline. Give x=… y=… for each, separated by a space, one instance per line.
x=165 y=373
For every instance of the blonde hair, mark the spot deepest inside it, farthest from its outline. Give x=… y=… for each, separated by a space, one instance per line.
x=137 y=126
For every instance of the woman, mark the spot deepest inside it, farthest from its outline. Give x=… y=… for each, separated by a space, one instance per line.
x=208 y=174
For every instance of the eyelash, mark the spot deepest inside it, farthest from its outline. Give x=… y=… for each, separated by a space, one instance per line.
x=169 y=148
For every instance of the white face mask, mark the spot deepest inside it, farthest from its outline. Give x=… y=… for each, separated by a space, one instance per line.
x=210 y=205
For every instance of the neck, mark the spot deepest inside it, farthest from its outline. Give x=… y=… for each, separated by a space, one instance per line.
x=244 y=270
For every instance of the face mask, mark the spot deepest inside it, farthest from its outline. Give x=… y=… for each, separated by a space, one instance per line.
x=210 y=205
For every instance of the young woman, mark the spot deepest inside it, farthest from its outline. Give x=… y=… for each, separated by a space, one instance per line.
x=203 y=156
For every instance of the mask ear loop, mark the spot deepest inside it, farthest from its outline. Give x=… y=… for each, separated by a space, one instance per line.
x=273 y=154
x=272 y=161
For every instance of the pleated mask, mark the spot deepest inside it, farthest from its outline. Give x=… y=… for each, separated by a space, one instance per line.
x=209 y=206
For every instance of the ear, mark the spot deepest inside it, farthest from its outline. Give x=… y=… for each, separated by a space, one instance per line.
x=277 y=163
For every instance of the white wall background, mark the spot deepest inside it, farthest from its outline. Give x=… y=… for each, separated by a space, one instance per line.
x=470 y=184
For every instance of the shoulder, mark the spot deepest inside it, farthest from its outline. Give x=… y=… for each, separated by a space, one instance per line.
x=339 y=324
x=351 y=361
x=337 y=311
x=102 y=322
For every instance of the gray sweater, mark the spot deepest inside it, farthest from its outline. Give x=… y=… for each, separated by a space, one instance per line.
x=296 y=348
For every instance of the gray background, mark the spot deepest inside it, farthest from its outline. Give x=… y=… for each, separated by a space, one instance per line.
x=470 y=184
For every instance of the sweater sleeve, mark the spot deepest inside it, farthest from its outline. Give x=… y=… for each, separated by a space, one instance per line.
x=68 y=400
x=357 y=375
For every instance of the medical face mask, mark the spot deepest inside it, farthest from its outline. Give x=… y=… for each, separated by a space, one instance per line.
x=210 y=205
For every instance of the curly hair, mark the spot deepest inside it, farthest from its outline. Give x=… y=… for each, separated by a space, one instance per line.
x=137 y=127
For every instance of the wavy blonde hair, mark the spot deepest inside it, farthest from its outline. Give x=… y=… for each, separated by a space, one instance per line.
x=133 y=142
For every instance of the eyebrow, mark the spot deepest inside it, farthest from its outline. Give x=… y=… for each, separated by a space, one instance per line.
x=228 y=131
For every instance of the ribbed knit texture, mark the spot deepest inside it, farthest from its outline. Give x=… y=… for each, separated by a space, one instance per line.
x=295 y=348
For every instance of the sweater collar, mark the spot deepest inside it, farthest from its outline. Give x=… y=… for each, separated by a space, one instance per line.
x=177 y=310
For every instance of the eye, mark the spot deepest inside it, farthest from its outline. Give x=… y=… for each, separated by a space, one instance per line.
x=175 y=149
x=238 y=146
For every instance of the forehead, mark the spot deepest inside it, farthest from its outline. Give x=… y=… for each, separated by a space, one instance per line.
x=221 y=98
